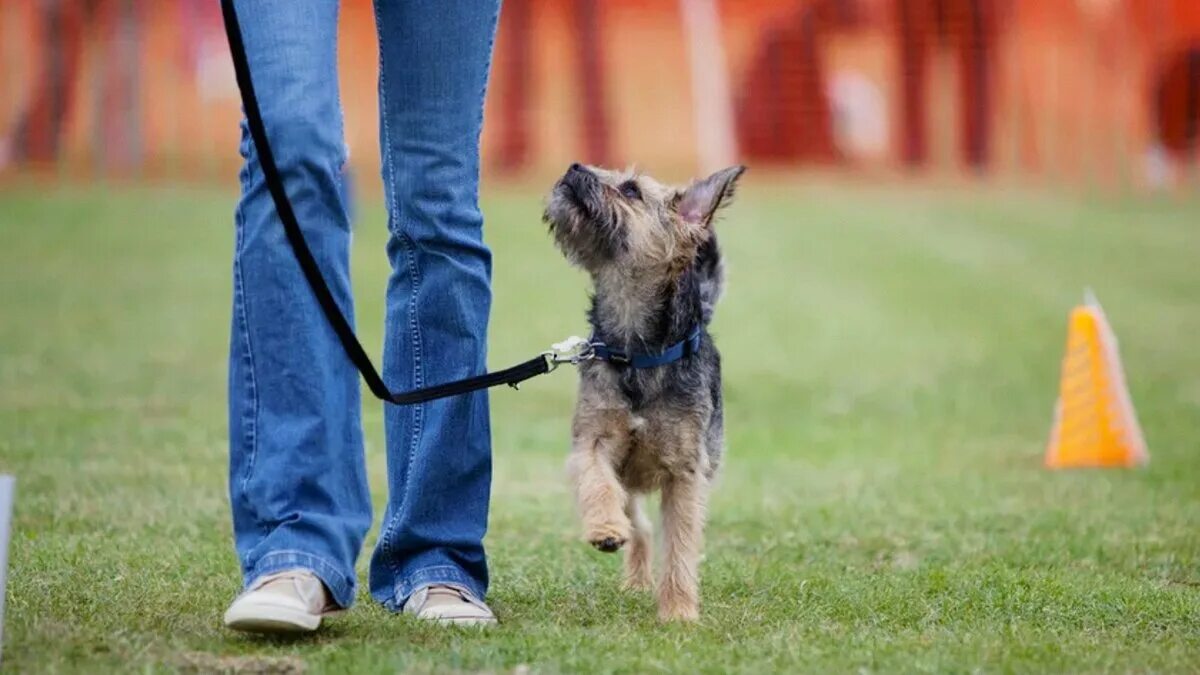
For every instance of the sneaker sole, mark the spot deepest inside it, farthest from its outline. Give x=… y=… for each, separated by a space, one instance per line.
x=466 y=622
x=271 y=619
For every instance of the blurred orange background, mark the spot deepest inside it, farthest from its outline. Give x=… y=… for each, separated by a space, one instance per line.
x=1058 y=90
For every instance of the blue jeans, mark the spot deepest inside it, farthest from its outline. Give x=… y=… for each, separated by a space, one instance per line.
x=297 y=478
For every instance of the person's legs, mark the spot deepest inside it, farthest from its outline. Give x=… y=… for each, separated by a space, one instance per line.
x=433 y=73
x=297 y=479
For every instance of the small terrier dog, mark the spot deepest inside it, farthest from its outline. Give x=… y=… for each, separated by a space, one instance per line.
x=649 y=413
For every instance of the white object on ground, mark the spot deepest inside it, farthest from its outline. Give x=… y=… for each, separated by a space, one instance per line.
x=7 y=486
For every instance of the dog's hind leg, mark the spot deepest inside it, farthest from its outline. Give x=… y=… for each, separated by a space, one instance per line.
x=684 y=502
x=638 y=557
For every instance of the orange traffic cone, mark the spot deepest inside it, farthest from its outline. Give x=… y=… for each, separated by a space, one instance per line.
x=1094 y=421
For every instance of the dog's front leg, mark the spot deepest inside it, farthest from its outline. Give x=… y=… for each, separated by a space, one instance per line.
x=684 y=500
x=599 y=444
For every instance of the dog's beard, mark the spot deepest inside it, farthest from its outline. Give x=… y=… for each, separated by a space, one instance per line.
x=576 y=204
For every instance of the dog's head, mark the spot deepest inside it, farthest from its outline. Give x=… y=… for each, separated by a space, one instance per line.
x=602 y=218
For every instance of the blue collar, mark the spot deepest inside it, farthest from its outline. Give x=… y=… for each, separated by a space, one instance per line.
x=682 y=349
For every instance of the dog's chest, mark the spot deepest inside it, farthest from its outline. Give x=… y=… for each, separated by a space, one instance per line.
x=656 y=451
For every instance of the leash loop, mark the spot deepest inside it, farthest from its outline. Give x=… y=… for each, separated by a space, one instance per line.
x=574 y=350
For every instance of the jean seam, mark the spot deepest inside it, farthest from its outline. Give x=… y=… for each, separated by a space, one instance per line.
x=487 y=70
x=418 y=369
x=344 y=155
x=250 y=436
x=389 y=198
x=385 y=128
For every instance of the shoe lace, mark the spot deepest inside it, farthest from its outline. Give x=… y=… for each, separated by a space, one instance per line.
x=448 y=591
x=296 y=580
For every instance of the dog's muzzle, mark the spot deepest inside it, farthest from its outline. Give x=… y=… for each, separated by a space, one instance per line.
x=580 y=186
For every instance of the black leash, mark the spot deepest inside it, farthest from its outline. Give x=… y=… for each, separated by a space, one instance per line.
x=543 y=363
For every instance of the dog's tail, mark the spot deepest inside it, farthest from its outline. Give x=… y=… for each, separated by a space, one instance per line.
x=710 y=269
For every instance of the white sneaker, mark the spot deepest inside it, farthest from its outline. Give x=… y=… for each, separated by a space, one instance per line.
x=292 y=601
x=443 y=603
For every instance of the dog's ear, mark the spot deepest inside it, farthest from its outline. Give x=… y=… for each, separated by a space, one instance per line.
x=700 y=201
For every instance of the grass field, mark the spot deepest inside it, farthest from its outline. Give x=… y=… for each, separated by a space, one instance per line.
x=892 y=358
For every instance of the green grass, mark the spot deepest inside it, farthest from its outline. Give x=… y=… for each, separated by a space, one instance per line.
x=891 y=362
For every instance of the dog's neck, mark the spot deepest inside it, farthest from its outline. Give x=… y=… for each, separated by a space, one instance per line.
x=644 y=312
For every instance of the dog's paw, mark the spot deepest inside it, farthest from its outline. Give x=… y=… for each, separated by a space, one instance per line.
x=679 y=614
x=678 y=603
x=609 y=537
x=608 y=544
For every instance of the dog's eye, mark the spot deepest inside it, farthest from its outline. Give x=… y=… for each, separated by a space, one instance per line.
x=630 y=190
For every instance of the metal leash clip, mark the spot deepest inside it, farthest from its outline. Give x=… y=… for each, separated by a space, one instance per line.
x=574 y=350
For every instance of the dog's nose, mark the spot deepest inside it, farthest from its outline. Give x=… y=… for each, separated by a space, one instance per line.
x=578 y=176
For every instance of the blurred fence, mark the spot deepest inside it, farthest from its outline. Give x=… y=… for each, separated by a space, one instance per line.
x=1054 y=90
